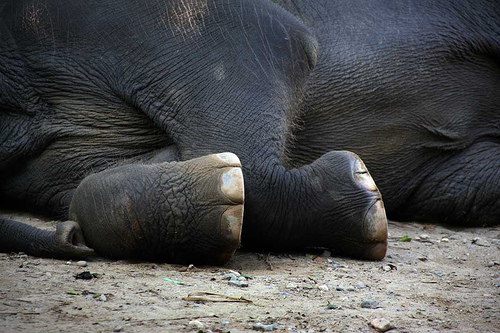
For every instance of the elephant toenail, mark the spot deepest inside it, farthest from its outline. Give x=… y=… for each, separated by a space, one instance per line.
x=232 y=185
x=231 y=223
x=375 y=223
x=362 y=175
x=230 y=158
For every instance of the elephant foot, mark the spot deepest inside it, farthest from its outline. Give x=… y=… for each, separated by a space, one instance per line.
x=372 y=242
x=367 y=239
x=178 y=212
x=332 y=202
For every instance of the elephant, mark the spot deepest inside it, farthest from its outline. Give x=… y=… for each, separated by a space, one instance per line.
x=413 y=88
x=148 y=128
x=151 y=127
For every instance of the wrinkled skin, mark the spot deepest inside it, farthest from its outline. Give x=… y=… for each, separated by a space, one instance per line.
x=111 y=113
x=413 y=88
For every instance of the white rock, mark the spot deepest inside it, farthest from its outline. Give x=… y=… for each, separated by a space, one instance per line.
x=323 y=287
x=361 y=285
x=381 y=324
x=196 y=323
x=82 y=263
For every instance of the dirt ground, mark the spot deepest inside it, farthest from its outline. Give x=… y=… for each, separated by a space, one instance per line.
x=443 y=280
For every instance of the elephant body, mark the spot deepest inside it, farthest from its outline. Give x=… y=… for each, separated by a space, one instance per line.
x=413 y=89
x=116 y=116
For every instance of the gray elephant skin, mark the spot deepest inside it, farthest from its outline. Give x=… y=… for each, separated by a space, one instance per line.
x=151 y=127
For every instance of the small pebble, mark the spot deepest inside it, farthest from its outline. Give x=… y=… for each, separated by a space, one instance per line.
x=68 y=262
x=196 y=323
x=323 y=287
x=291 y=285
x=386 y=268
x=263 y=328
x=369 y=304
x=350 y=288
x=424 y=236
x=82 y=263
x=103 y=298
x=340 y=287
x=381 y=324
x=118 y=329
x=361 y=285
x=444 y=240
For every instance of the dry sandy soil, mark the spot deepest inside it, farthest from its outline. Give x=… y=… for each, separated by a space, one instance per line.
x=443 y=280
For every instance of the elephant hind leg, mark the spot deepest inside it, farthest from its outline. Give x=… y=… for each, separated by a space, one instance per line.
x=465 y=190
x=183 y=212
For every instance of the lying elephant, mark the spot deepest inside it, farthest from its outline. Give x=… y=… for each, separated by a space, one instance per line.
x=115 y=116
x=111 y=116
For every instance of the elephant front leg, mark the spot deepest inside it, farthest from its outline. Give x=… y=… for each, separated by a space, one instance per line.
x=185 y=212
x=332 y=202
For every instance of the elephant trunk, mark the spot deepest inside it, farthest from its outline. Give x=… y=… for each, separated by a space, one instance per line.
x=65 y=242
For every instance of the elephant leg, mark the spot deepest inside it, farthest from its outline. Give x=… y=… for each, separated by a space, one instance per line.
x=186 y=212
x=332 y=202
x=65 y=242
x=464 y=189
